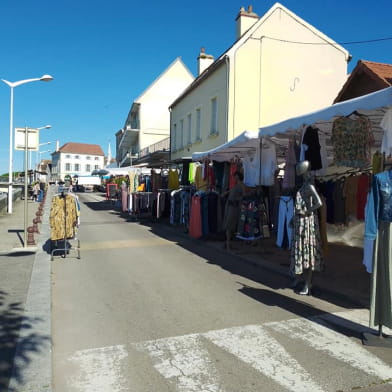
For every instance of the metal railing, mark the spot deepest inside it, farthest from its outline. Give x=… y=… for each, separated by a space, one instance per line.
x=163 y=145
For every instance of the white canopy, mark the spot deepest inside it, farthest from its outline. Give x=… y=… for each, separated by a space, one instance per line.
x=236 y=147
x=373 y=105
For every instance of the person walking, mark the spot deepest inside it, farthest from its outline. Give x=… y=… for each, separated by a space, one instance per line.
x=35 y=191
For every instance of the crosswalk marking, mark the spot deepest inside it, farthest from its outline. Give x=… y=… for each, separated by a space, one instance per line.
x=185 y=362
x=334 y=344
x=99 y=370
x=253 y=345
x=188 y=366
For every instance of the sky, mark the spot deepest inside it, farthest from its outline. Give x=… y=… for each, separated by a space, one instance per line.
x=104 y=54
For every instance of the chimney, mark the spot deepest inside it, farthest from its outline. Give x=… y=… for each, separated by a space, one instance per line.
x=245 y=20
x=204 y=61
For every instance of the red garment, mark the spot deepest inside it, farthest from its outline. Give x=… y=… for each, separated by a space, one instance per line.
x=211 y=177
x=233 y=169
x=362 y=192
x=195 y=230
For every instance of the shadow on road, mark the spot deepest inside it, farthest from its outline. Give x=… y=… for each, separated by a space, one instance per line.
x=15 y=357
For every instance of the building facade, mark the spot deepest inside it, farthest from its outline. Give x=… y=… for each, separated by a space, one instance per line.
x=148 y=120
x=265 y=77
x=76 y=159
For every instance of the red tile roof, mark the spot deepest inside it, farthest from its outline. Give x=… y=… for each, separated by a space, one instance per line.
x=379 y=73
x=383 y=71
x=82 y=148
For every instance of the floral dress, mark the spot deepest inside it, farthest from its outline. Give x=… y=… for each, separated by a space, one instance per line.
x=305 y=249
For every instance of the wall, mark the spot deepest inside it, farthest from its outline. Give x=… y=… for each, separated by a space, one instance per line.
x=294 y=78
x=200 y=97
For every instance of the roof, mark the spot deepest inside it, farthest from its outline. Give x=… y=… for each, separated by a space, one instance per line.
x=241 y=40
x=381 y=72
x=82 y=148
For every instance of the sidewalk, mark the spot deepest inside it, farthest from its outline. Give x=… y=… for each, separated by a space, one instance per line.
x=12 y=226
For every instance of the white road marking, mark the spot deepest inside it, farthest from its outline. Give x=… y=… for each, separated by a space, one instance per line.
x=253 y=345
x=185 y=362
x=99 y=370
x=334 y=344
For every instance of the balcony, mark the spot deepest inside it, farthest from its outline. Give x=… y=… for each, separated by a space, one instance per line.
x=163 y=145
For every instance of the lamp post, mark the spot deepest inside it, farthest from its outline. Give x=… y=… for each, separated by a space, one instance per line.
x=41 y=144
x=12 y=85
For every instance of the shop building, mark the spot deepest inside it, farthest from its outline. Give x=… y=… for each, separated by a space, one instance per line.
x=76 y=159
x=263 y=78
x=147 y=122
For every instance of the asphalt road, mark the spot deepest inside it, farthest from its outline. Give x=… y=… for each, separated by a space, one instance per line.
x=149 y=310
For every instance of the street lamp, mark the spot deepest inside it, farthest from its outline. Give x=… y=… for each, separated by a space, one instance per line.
x=12 y=85
x=36 y=157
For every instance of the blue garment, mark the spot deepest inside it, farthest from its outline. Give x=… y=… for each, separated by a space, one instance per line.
x=379 y=203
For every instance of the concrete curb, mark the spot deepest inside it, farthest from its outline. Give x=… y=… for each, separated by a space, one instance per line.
x=37 y=371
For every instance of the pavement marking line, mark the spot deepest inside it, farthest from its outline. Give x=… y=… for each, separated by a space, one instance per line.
x=322 y=338
x=255 y=346
x=99 y=370
x=185 y=362
x=146 y=243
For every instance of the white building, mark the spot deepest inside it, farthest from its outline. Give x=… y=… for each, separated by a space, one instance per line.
x=279 y=67
x=76 y=159
x=148 y=121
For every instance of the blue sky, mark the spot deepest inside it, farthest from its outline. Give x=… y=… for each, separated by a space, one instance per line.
x=103 y=54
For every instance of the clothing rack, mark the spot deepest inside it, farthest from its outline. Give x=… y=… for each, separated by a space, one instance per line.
x=67 y=246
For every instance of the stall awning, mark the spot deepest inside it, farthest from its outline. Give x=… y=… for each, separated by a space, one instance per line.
x=370 y=102
x=236 y=147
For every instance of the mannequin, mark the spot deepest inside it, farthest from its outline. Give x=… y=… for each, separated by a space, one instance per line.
x=306 y=247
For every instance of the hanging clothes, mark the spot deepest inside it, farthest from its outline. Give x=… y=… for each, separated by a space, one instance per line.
x=377 y=162
x=386 y=125
x=312 y=149
x=362 y=192
x=195 y=226
x=339 y=213
x=350 y=195
x=200 y=182
x=286 y=213
x=352 y=139
x=63 y=218
x=251 y=166
x=174 y=182
x=289 y=169
x=232 y=210
x=378 y=227
x=268 y=165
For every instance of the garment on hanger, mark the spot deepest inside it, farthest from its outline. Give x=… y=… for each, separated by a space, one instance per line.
x=352 y=139
x=386 y=125
x=323 y=154
x=350 y=195
x=286 y=213
x=251 y=166
x=200 y=182
x=312 y=149
x=339 y=214
x=63 y=217
x=174 y=181
x=195 y=225
x=268 y=165
x=377 y=162
x=378 y=227
x=289 y=169
x=362 y=192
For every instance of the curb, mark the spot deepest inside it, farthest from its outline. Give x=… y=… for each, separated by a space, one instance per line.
x=37 y=368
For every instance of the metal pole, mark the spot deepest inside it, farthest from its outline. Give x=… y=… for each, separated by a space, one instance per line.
x=10 y=174
x=25 y=189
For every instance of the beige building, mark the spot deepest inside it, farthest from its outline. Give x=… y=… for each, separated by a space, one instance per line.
x=279 y=67
x=148 y=120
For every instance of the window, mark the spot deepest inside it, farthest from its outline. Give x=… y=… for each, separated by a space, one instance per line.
x=96 y=167
x=174 y=136
x=189 y=118
x=181 y=133
x=67 y=167
x=88 y=168
x=77 y=167
x=214 y=116
x=68 y=156
x=96 y=159
x=198 y=124
x=76 y=156
x=88 y=157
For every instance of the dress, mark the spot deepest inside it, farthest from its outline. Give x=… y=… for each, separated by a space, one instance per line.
x=232 y=211
x=305 y=249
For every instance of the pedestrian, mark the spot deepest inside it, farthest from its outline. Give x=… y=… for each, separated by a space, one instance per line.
x=35 y=191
